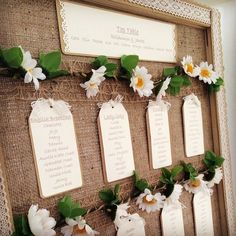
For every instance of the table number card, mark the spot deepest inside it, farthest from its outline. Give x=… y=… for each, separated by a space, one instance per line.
x=159 y=134
x=55 y=148
x=115 y=138
x=203 y=214
x=172 y=220
x=193 y=128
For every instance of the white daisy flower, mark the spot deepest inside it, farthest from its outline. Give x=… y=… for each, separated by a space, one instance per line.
x=163 y=89
x=216 y=179
x=33 y=73
x=141 y=82
x=207 y=74
x=40 y=223
x=149 y=202
x=175 y=195
x=77 y=227
x=197 y=185
x=188 y=66
x=92 y=86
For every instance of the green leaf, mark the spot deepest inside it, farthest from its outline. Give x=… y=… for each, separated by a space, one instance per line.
x=173 y=90
x=216 y=87
x=110 y=68
x=107 y=195
x=186 y=81
x=190 y=170
x=212 y=161
x=117 y=190
x=58 y=73
x=13 y=57
x=77 y=212
x=50 y=62
x=142 y=184
x=176 y=171
x=165 y=173
x=169 y=72
x=22 y=226
x=129 y=62
x=136 y=176
x=176 y=81
x=99 y=61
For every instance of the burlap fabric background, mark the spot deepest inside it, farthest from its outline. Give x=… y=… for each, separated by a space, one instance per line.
x=33 y=25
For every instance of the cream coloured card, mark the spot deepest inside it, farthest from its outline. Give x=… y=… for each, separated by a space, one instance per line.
x=159 y=134
x=55 y=148
x=115 y=138
x=172 y=220
x=193 y=127
x=203 y=214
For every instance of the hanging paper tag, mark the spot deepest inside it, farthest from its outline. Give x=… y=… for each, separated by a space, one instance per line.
x=203 y=214
x=55 y=148
x=159 y=134
x=172 y=220
x=115 y=139
x=133 y=225
x=193 y=128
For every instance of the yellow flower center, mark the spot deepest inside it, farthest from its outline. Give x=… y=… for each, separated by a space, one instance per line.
x=205 y=73
x=140 y=82
x=190 y=68
x=30 y=70
x=77 y=230
x=195 y=183
x=92 y=85
x=149 y=202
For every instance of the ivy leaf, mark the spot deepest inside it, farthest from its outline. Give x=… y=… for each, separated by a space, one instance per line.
x=107 y=195
x=190 y=171
x=142 y=184
x=173 y=90
x=110 y=68
x=22 y=226
x=13 y=57
x=169 y=72
x=176 y=171
x=51 y=61
x=212 y=161
x=57 y=73
x=129 y=62
x=165 y=173
x=216 y=87
x=99 y=61
x=70 y=209
x=186 y=81
x=176 y=81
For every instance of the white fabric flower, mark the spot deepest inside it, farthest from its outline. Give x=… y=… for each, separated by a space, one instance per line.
x=40 y=223
x=188 y=67
x=33 y=73
x=149 y=202
x=141 y=82
x=163 y=89
x=197 y=185
x=216 y=179
x=207 y=74
x=92 y=86
x=77 y=227
x=173 y=199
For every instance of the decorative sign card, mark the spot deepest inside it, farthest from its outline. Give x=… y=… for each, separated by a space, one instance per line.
x=159 y=134
x=203 y=214
x=55 y=148
x=89 y=30
x=115 y=140
x=172 y=220
x=193 y=128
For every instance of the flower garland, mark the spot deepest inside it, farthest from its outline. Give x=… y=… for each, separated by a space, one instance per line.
x=165 y=193
x=17 y=63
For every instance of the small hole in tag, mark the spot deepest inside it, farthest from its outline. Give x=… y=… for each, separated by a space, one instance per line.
x=51 y=106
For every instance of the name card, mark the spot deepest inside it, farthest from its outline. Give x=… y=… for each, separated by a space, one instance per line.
x=133 y=226
x=159 y=134
x=193 y=128
x=88 y=30
x=172 y=221
x=55 y=148
x=115 y=141
x=203 y=214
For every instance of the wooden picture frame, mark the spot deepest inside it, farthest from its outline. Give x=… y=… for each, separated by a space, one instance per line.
x=194 y=15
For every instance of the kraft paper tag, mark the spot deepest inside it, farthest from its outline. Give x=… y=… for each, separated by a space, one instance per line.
x=115 y=139
x=203 y=214
x=159 y=134
x=193 y=128
x=55 y=147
